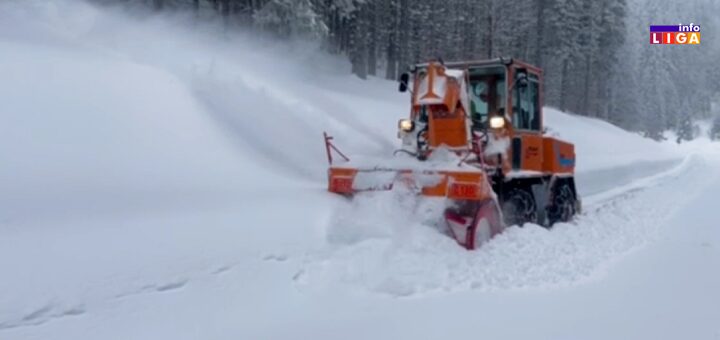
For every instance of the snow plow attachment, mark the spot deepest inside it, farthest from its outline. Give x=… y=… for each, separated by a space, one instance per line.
x=472 y=213
x=451 y=184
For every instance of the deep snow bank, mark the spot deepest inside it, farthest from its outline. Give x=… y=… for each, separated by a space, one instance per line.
x=102 y=114
x=600 y=145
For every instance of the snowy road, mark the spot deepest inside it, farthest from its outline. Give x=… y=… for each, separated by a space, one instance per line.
x=665 y=287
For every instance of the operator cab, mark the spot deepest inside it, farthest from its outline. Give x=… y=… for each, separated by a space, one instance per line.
x=489 y=95
x=497 y=84
x=502 y=95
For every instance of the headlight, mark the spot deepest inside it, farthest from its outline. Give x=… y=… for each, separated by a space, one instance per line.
x=497 y=122
x=406 y=125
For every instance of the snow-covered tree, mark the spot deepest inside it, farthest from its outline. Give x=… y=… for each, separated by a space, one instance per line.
x=290 y=18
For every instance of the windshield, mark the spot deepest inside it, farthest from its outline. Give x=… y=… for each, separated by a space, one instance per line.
x=487 y=92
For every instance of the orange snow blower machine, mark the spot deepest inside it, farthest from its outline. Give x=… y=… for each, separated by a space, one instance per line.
x=474 y=137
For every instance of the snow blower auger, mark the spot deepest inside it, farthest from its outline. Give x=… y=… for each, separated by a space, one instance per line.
x=474 y=137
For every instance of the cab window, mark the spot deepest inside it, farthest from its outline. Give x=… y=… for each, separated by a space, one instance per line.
x=526 y=105
x=487 y=92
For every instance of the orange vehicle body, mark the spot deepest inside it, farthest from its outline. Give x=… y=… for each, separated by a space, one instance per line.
x=448 y=115
x=489 y=114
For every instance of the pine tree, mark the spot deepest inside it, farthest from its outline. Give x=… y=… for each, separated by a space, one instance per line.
x=290 y=18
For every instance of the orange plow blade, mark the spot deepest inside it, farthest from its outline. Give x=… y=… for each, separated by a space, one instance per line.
x=458 y=185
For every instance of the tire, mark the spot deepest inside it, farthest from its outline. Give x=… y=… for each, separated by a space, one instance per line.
x=519 y=207
x=562 y=203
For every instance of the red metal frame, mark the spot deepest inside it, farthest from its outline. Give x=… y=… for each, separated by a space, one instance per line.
x=329 y=147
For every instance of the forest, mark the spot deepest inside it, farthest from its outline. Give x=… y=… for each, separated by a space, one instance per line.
x=596 y=54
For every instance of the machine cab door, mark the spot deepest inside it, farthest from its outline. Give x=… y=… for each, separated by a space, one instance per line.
x=525 y=106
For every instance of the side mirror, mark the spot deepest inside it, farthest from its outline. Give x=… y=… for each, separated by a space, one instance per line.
x=404 y=79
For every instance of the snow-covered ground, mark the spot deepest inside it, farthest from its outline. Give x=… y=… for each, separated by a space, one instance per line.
x=161 y=180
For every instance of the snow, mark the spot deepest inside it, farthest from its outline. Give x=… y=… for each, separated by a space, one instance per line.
x=169 y=183
x=608 y=145
x=496 y=145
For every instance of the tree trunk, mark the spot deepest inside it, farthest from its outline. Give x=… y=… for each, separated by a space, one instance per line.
x=563 y=89
x=359 y=65
x=391 y=56
x=390 y=48
x=586 y=88
x=401 y=48
x=540 y=33
x=490 y=35
x=371 y=39
x=356 y=46
x=225 y=11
